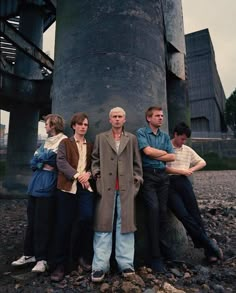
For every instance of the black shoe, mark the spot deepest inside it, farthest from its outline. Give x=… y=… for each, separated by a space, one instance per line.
x=128 y=272
x=158 y=266
x=213 y=253
x=84 y=265
x=58 y=274
x=97 y=276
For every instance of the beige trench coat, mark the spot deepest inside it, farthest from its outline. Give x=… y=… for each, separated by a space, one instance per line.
x=126 y=164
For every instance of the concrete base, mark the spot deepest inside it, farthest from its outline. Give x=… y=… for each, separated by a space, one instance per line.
x=14 y=193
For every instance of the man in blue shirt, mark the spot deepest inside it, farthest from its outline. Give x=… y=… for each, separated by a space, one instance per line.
x=156 y=149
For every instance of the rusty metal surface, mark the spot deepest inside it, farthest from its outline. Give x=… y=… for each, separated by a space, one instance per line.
x=11 y=34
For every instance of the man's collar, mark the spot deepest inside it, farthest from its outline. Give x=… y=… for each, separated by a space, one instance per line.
x=177 y=148
x=77 y=141
x=149 y=130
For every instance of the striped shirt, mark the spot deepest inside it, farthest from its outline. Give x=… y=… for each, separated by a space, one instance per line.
x=185 y=158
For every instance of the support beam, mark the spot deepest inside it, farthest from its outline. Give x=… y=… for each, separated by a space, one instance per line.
x=15 y=90
x=52 y=5
x=10 y=33
x=5 y=65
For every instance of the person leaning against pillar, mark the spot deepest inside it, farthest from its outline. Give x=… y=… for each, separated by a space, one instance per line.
x=182 y=200
x=41 y=202
x=156 y=150
x=116 y=165
x=75 y=199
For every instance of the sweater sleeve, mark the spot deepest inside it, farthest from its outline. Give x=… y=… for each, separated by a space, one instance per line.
x=63 y=164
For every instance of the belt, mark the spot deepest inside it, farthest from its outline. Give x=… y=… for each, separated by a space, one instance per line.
x=153 y=170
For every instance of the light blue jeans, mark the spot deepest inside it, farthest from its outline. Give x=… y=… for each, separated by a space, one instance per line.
x=124 y=246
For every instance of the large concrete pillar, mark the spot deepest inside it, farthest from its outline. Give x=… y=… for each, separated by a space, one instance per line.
x=177 y=96
x=23 y=127
x=114 y=53
x=178 y=102
x=107 y=54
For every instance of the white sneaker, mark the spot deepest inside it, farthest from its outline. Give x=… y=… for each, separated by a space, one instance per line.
x=40 y=267
x=23 y=260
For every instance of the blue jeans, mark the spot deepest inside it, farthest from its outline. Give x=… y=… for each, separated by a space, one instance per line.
x=124 y=246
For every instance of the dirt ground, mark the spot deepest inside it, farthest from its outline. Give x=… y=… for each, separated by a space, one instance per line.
x=216 y=193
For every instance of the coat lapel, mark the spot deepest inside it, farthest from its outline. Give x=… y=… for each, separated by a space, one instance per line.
x=111 y=140
x=74 y=145
x=123 y=142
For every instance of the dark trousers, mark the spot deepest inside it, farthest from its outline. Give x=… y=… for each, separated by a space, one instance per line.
x=40 y=212
x=182 y=202
x=74 y=226
x=155 y=196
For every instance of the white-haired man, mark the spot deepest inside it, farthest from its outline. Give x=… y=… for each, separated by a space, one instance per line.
x=116 y=165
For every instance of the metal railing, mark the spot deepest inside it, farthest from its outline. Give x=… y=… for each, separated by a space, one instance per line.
x=212 y=135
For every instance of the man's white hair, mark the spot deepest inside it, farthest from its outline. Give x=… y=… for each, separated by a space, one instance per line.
x=117 y=109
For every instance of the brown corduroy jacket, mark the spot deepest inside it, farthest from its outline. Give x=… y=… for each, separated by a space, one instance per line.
x=67 y=162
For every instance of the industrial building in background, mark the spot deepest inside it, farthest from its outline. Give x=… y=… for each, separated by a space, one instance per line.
x=206 y=94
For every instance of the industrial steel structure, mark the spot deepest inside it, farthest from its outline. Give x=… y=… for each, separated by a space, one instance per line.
x=24 y=90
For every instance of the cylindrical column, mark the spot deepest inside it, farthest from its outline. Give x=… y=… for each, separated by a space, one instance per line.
x=178 y=102
x=23 y=127
x=107 y=54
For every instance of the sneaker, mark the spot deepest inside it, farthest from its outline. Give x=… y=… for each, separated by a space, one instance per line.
x=128 y=272
x=23 y=260
x=40 y=267
x=158 y=266
x=97 y=276
x=58 y=274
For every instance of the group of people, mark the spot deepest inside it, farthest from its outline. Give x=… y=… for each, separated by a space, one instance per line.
x=82 y=196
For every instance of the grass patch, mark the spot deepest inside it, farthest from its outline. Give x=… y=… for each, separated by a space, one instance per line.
x=214 y=162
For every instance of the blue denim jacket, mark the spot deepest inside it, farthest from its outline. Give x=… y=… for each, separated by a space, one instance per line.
x=43 y=182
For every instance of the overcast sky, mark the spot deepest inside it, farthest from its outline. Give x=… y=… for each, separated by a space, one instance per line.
x=218 y=16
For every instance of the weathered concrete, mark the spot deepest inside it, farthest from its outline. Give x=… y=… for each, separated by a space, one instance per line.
x=178 y=103
x=114 y=53
x=109 y=53
x=23 y=125
x=16 y=90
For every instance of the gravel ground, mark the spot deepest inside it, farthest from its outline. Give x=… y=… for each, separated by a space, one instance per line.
x=216 y=192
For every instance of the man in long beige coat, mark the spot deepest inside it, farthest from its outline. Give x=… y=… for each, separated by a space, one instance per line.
x=116 y=165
